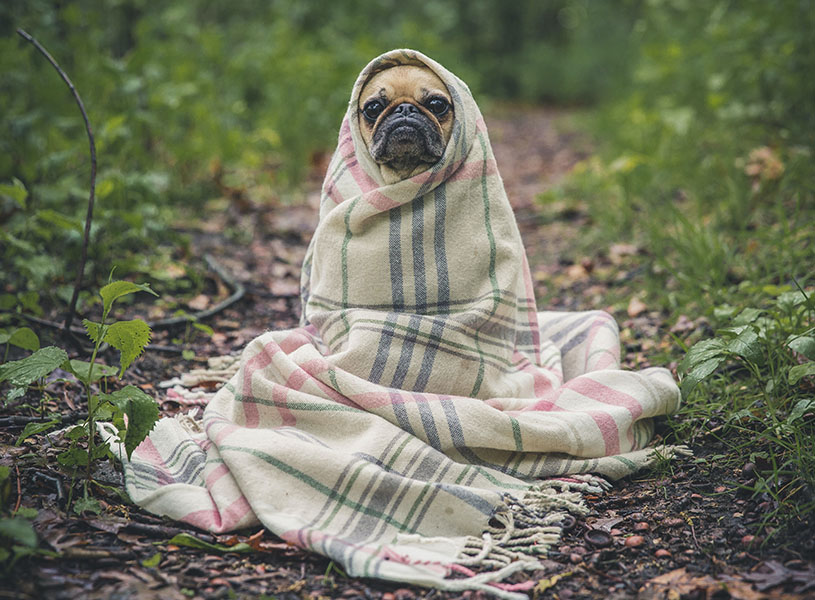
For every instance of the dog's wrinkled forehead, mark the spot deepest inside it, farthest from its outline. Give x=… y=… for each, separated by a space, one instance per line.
x=415 y=82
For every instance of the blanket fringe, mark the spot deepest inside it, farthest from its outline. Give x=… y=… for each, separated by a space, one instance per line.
x=196 y=387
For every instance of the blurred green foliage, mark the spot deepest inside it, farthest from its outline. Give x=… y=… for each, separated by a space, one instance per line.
x=185 y=97
x=706 y=155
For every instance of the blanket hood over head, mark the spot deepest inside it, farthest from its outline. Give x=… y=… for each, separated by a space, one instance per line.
x=423 y=284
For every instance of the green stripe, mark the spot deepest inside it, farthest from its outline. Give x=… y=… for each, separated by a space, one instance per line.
x=398 y=452
x=631 y=465
x=344 y=494
x=440 y=340
x=496 y=293
x=304 y=406
x=516 y=432
x=344 y=258
x=316 y=485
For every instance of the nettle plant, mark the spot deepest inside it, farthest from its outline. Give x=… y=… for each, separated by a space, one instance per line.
x=132 y=412
x=757 y=379
x=775 y=345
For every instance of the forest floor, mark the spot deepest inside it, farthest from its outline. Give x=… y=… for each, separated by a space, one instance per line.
x=686 y=531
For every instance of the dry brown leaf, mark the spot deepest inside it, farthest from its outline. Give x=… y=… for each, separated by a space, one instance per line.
x=636 y=307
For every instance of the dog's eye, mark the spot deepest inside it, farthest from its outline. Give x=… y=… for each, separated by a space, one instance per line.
x=438 y=106
x=372 y=110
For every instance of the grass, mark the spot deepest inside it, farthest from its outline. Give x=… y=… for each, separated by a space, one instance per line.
x=727 y=238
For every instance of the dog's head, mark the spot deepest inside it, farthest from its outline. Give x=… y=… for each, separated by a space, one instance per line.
x=406 y=116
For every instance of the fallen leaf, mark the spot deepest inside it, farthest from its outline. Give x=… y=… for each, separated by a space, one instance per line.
x=636 y=307
x=200 y=302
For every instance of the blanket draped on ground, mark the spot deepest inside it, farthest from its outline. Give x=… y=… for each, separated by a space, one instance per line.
x=425 y=422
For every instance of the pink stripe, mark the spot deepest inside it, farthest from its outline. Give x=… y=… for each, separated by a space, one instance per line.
x=614 y=352
x=280 y=396
x=219 y=521
x=379 y=200
x=259 y=361
x=297 y=338
x=474 y=170
x=148 y=452
x=216 y=474
x=541 y=384
x=607 y=395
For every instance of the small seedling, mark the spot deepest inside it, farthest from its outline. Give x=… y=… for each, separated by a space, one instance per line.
x=131 y=411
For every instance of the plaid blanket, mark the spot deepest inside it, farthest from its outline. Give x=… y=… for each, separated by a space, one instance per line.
x=425 y=423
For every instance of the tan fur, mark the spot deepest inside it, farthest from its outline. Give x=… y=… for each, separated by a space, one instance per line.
x=404 y=83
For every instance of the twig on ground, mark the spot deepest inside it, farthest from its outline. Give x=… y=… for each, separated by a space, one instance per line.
x=81 y=269
x=55 y=481
x=23 y=420
x=19 y=490
x=238 y=291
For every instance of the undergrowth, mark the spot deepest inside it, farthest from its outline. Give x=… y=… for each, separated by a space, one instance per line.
x=705 y=164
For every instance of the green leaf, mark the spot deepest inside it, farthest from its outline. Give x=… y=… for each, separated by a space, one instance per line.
x=747 y=316
x=73 y=457
x=789 y=300
x=16 y=191
x=702 y=352
x=7 y=301
x=153 y=561
x=94 y=330
x=798 y=372
x=91 y=505
x=82 y=368
x=26 y=512
x=25 y=338
x=800 y=408
x=116 y=289
x=129 y=337
x=748 y=345
x=22 y=373
x=19 y=531
x=142 y=414
x=185 y=539
x=34 y=428
x=77 y=432
x=803 y=345
x=204 y=327
x=51 y=216
x=698 y=373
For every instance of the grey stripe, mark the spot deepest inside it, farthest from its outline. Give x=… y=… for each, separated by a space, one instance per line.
x=400 y=412
x=429 y=424
x=442 y=277
x=423 y=377
x=382 y=351
x=395 y=245
x=405 y=357
x=419 y=282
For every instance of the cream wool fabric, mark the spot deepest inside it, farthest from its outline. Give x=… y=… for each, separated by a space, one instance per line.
x=424 y=397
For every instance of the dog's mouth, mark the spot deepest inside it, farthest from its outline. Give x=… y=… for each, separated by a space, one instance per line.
x=407 y=137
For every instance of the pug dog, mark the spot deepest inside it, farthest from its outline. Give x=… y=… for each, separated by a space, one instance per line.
x=406 y=116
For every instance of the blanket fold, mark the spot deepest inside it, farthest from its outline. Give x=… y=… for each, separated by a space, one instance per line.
x=425 y=421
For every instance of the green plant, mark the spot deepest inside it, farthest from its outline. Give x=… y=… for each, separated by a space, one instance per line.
x=17 y=536
x=130 y=403
x=752 y=384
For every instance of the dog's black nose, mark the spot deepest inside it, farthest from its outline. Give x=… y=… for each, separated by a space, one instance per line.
x=405 y=109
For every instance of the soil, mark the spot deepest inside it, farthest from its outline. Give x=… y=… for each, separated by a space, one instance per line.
x=685 y=531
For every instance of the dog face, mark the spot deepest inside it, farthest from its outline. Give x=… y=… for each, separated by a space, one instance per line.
x=406 y=117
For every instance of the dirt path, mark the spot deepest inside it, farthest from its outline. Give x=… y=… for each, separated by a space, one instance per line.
x=679 y=527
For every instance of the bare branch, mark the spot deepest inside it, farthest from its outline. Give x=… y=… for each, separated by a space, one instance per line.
x=81 y=270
